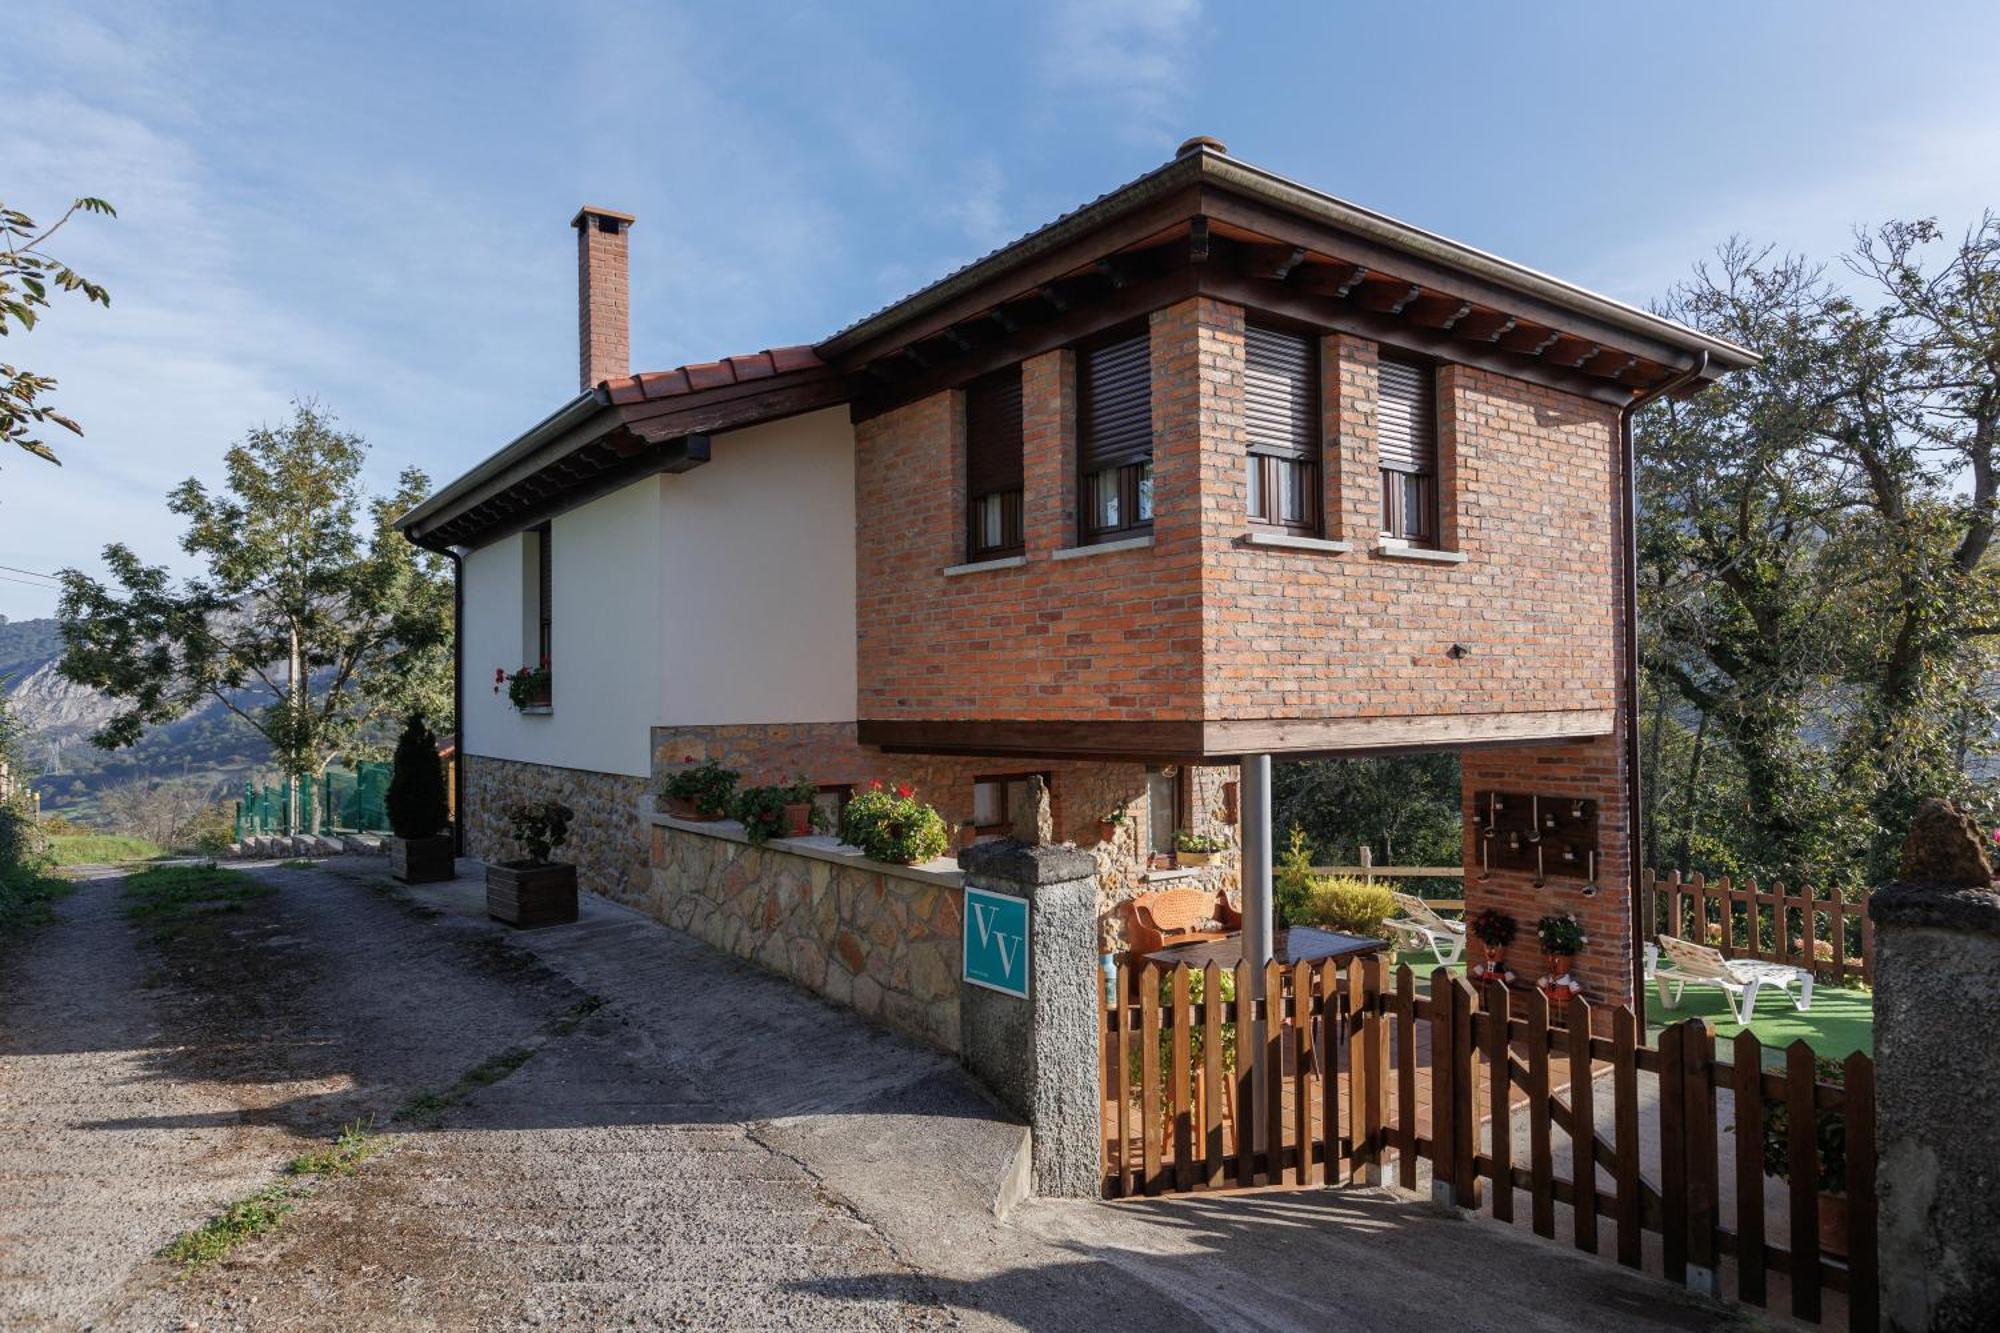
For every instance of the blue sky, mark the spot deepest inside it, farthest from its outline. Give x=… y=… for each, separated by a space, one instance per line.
x=368 y=203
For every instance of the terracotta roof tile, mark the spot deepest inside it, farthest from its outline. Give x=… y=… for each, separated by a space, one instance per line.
x=656 y=384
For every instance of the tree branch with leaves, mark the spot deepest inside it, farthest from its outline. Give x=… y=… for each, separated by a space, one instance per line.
x=28 y=276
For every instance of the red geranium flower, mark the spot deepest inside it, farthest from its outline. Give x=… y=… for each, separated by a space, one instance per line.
x=905 y=790
x=874 y=784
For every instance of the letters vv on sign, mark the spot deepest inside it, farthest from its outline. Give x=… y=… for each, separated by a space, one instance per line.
x=996 y=942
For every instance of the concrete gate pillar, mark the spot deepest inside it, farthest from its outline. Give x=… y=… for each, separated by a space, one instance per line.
x=1937 y=1032
x=1040 y=1054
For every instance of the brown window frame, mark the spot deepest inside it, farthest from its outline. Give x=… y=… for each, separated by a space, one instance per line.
x=544 y=595
x=993 y=421
x=1271 y=455
x=1006 y=812
x=1128 y=471
x=1414 y=490
x=1183 y=800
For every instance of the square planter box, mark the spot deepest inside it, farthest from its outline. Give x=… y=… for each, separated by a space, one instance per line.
x=422 y=860
x=521 y=894
x=1193 y=859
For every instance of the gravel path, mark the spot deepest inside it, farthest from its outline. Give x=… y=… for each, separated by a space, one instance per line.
x=147 y=1083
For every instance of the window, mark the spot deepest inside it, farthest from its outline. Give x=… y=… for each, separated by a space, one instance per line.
x=544 y=594
x=1115 y=438
x=1406 y=426
x=1166 y=808
x=1281 y=419
x=998 y=799
x=993 y=466
x=830 y=804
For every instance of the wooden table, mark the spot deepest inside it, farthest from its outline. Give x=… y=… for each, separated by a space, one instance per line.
x=1300 y=944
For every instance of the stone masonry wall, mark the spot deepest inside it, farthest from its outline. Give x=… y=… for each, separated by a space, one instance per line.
x=1082 y=793
x=606 y=842
x=881 y=943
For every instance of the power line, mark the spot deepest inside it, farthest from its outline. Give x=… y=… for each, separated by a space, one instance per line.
x=30 y=583
x=32 y=573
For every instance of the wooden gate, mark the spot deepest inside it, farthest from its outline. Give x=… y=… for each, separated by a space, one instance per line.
x=1325 y=1073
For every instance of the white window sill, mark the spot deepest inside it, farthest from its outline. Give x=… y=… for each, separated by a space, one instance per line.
x=982 y=566
x=1162 y=876
x=537 y=710
x=1395 y=550
x=1104 y=548
x=1285 y=541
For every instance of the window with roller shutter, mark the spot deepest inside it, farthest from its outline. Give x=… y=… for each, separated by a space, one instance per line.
x=1406 y=434
x=1281 y=423
x=1115 y=437
x=993 y=466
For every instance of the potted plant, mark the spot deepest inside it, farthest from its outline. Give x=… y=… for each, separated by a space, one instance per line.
x=534 y=891
x=421 y=850
x=1830 y=1137
x=1562 y=939
x=530 y=689
x=1196 y=849
x=703 y=791
x=894 y=826
x=1494 y=930
x=799 y=806
x=1109 y=824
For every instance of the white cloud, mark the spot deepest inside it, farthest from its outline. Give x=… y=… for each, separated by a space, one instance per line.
x=1132 y=57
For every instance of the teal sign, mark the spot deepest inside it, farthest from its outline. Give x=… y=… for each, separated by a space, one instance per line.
x=996 y=942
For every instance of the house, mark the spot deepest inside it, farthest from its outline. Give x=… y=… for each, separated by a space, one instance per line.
x=1213 y=469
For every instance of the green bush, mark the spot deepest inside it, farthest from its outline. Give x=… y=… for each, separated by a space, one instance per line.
x=1292 y=882
x=1352 y=906
x=894 y=826
x=762 y=811
x=707 y=786
x=416 y=796
x=540 y=827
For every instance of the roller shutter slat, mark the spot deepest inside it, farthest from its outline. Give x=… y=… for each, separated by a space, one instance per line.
x=1405 y=418
x=993 y=433
x=1117 y=403
x=1280 y=407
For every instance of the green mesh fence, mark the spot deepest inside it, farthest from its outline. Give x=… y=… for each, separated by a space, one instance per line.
x=351 y=800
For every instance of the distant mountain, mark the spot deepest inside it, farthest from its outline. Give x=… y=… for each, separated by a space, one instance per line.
x=57 y=717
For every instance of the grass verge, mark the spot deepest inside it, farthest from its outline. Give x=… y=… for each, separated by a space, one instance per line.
x=93 y=849
x=169 y=895
x=265 y=1211
x=27 y=898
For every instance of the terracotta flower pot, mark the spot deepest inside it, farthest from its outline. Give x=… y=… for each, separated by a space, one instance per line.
x=682 y=808
x=1107 y=831
x=1560 y=964
x=798 y=819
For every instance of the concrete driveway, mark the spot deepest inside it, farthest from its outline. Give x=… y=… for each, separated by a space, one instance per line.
x=609 y=1124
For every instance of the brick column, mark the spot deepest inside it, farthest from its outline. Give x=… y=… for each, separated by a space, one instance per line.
x=1040 y=1055
x=1349 y=391
x=1048 y=451
x=1590 y=769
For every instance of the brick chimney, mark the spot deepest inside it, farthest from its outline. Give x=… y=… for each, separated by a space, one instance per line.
x=603 y=295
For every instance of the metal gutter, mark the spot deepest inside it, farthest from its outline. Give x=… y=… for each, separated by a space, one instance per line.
x=1629 y=595
x=556 y=424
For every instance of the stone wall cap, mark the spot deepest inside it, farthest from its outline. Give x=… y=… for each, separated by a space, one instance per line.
x=1941 y=906
x=1021 y=863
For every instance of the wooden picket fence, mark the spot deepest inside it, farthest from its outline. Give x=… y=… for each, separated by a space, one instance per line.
x=1336 y=1075
x=1733 y=918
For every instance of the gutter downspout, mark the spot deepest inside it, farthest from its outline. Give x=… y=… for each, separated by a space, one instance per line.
x=1629 y=502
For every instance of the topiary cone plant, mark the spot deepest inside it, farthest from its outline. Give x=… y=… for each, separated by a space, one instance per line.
x=419 y=815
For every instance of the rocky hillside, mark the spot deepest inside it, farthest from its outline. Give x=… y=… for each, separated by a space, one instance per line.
x=57 y=718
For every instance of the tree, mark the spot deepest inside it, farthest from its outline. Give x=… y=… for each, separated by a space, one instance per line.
x=416 y=797
x=1404 y=807
x=299 y=620
x=163 y=811
x=27 y=272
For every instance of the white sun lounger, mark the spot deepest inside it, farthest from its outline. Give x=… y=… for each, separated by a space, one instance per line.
x=1686 y=963
x=1417 y=927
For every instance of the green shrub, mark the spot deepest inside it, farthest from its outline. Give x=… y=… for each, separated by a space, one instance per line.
x=1352 y=906
x=1561 y=933
x=894 y=826
x=708 y=787
x=1292 y=882
x=762 y=811
x=416 y=796
x=540 y=827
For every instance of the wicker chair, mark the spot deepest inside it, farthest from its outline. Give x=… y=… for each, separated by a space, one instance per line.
x=1155 y=921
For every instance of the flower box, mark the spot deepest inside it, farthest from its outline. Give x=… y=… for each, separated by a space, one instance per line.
x=526 y=895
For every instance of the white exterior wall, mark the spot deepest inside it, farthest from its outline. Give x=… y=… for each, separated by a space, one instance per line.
x=604 y=631
x=757 y=606
x=721 y=595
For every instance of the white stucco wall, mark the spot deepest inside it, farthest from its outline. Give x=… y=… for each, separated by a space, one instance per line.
x=605 y=632
x=721 y=595
x=757 y=599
